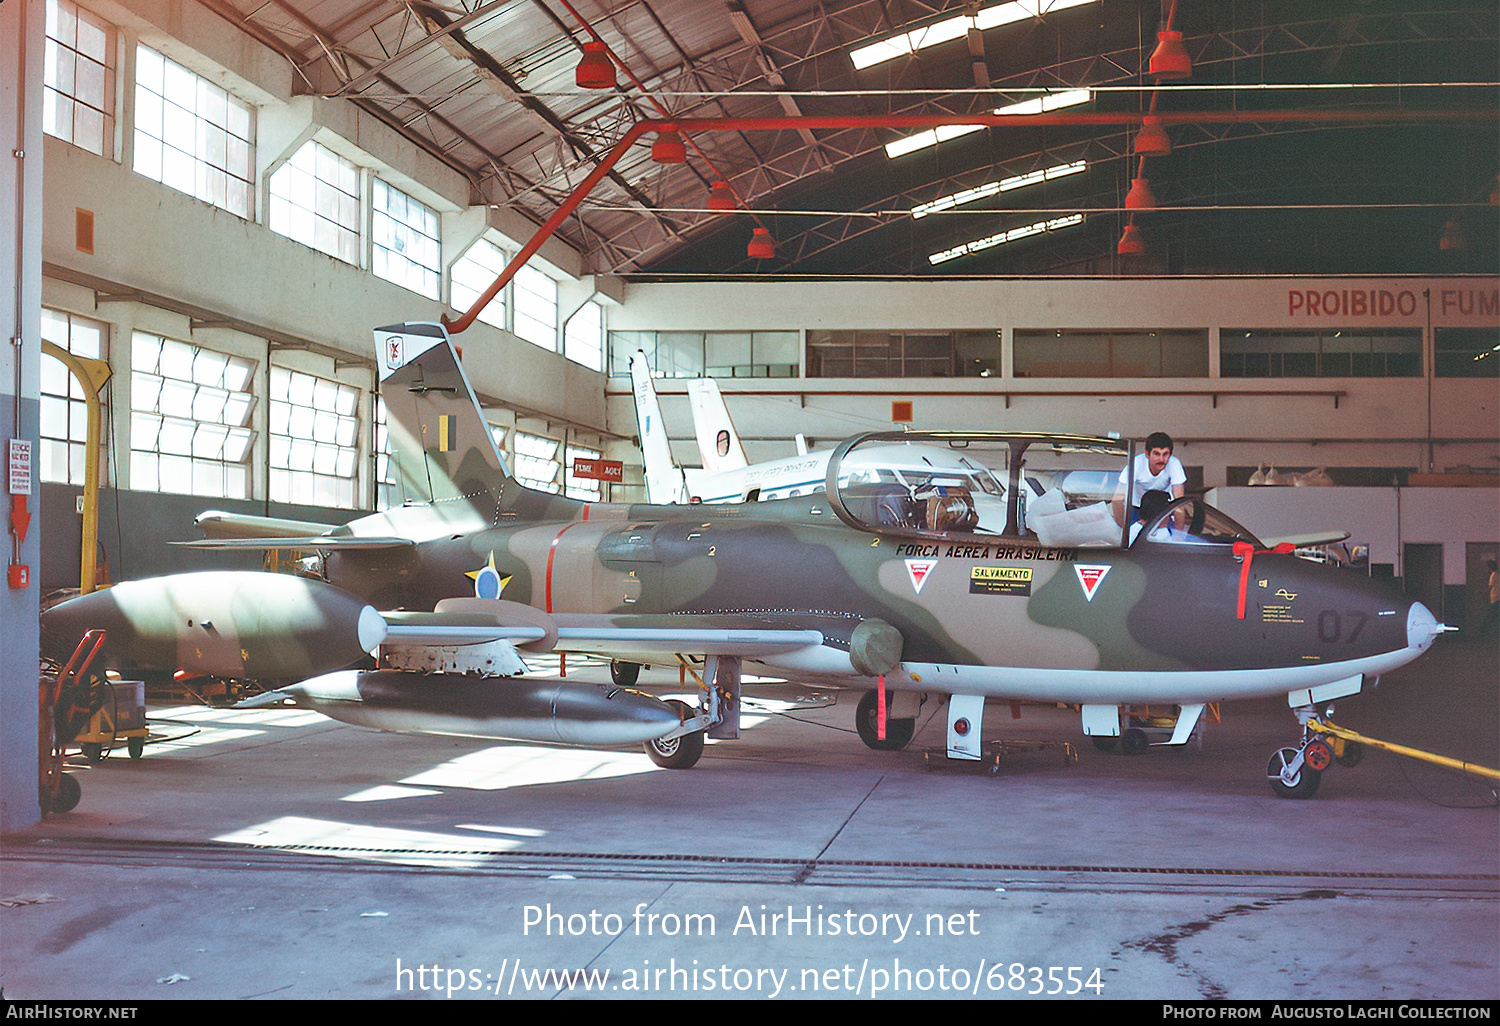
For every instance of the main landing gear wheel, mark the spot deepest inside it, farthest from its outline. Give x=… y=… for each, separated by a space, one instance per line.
x=1134 y=741
x=1303 y=784
x=624 y=674
x=681 y=752
x=1106 y=742
x=898 y=733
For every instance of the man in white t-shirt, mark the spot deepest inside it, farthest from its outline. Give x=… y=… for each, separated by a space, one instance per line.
x=1156 y=469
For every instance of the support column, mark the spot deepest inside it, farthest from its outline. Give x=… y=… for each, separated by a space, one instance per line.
x=22 y=36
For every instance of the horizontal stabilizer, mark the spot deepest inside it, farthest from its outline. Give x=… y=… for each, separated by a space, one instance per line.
x=218 y=524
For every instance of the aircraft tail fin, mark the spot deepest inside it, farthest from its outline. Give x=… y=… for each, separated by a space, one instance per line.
x=440 y=447
x=718 y=441
x=664 y=479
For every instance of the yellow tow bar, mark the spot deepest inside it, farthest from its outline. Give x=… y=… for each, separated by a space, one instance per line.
x=1334 y=730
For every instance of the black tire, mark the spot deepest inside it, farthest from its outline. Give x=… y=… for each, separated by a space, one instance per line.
x=1106 y=742
x=1134 y=741
x=93 y=751
x=624 y=674
x=1303 y=785
x=679 y=752
x=68 y=794
x=1352 y=755
x=136 y=746
x=898 y=733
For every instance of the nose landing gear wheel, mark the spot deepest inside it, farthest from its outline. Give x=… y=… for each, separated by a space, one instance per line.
x=1302 y=784
x=677 y=752
x=898 y=733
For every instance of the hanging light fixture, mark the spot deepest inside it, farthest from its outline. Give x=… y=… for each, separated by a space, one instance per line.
x=1152 y=140
x=1131 y=242
x=1170 y=59
x=668 y=148
x=1139 y=197
x=761 y=247
x=595 y=70
x=721 y=197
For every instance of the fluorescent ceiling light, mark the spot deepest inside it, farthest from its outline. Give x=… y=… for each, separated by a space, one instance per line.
x=957 y=27
x=1002 y=238
x=988 y=189
x=1037 y=105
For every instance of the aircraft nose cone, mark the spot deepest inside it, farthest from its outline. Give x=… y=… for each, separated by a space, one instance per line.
x=1421 y=627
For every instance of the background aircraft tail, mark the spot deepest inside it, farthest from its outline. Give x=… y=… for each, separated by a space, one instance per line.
x=441 y=450
x=718 y=441
x=664 y=479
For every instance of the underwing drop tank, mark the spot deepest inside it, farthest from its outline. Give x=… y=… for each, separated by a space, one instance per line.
x=503 y=708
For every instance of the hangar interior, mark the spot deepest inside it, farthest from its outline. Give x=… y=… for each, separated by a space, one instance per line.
x=1270 y=228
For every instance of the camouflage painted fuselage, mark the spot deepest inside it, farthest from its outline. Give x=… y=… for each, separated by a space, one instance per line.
x=1004 y=618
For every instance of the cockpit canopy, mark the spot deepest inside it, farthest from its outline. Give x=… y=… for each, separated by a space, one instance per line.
x=1056 y=490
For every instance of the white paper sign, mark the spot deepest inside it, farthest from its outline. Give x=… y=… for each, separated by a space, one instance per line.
x=20 y=466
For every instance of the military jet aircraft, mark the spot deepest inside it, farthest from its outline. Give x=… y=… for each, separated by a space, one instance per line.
x=864 y=585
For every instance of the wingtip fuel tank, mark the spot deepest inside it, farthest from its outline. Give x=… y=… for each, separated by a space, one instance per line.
x=240 y=624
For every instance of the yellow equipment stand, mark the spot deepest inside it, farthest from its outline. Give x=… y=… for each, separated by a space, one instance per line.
x=1345 y=734
x=121 y=717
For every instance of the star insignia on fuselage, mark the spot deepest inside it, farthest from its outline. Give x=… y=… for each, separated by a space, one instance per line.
x=488 y=583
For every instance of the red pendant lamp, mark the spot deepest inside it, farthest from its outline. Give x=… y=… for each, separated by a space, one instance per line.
x=1139 y=197
x=761 y=247
x=668 y=148
x=1131 y=242
x=1152 y=140
x=595 y=70
x=721 y=197
x=1170 y=59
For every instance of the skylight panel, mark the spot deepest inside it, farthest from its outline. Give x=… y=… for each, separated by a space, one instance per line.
x=992 y=188
x=956 y=27
x=1036 y=105
x=1001 y=238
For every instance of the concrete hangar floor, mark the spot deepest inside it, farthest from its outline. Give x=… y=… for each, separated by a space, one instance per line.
x=275 y=854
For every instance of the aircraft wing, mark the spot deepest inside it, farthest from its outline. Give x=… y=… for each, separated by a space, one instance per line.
x=316 y=541
x=663 y=637
x=1302 y=541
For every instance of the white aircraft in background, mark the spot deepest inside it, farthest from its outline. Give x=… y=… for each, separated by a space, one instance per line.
x=936 y=484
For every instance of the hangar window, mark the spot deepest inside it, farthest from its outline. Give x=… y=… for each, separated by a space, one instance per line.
x=78 y=98
x=314 y=434
x=315 y=201
x=1466 y=352
x=64 y=412
x=536 y=464
x=713 y=354
x=583 y=337
x=1067 y=353
x=585 y=488
x=535 y=297
x=405 y=247
x=1325 y=353
x=902 y=354
x=191 y=135
x=189 y=419
x=387 y=495
x=474 y=272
